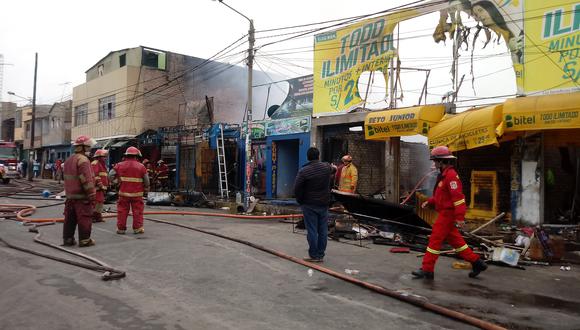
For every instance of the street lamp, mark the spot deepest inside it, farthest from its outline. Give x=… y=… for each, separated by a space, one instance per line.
x=248 y=148
x=22 y=97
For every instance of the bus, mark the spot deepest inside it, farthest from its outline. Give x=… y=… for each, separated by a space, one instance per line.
x=8 y=161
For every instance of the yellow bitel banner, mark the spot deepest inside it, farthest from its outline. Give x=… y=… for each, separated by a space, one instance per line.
x=341 y=56
x=552 y=46
x=469 y=129
x=382 y=125
x=558 y=111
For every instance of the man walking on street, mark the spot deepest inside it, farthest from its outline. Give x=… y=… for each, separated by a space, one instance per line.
x=134 y=182
x=449 y=202
x=101 y=181
x=79 y=187
x=312 y=191
x=348 y=178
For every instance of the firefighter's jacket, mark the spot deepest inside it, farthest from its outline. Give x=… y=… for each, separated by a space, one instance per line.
x=101 y=175
x=448 y=194
x=79 y=181
x=348 y=178
x=132 y=177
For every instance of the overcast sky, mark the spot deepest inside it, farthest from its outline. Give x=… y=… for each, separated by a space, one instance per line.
x=71 y=36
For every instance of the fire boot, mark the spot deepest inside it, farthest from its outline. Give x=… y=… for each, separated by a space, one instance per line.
x=423 y=274
x=139 y=231
x=477 y=267
x=86 y=242
x=69 y=242
x=97 y=217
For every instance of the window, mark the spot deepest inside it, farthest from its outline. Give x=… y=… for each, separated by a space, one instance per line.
x=28 y=130
x=81 y=114
x=153 y=58
x=122 y=60
x=107 y=108
x=18 y=118
x=101 y=69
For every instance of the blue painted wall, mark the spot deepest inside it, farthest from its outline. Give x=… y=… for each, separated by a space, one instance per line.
x=288 y=162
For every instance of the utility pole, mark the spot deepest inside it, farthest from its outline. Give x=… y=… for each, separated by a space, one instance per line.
x=31 y=153
x=248 y=185
x=248 y=144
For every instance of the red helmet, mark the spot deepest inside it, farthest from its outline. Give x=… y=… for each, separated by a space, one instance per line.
x=441 y=152
x=84 y=140
x=101 y=153
x=132 y=151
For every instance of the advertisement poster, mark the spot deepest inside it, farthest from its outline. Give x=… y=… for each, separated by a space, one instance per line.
x=552 y=46
x=298 y=102
x=342 y=56
x=288 y=126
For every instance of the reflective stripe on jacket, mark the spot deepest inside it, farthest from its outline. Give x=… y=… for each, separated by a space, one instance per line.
x=79 y=181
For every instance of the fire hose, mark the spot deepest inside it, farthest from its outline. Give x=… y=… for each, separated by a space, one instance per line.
x=29 y=210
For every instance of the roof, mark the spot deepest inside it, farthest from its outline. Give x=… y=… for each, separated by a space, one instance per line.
x=125 y=49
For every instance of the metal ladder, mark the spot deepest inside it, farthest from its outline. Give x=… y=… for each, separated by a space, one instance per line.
x=221 y=156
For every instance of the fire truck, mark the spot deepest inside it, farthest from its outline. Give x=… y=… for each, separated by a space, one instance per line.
x=8 y=161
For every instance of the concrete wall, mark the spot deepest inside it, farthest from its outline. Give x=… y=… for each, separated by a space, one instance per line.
x=123 y=83
x=59 y=122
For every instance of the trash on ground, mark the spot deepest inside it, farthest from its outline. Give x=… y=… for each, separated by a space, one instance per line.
x=461 y=265
x=400 y=250
x=505 y=255
x=351 y=271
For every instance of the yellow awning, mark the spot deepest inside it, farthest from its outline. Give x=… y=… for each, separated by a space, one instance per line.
x=381 y=125
x=555 y=111
x=469 y=129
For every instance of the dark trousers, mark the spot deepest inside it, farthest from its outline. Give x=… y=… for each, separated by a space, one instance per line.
x=77 y=213
x=315 y=220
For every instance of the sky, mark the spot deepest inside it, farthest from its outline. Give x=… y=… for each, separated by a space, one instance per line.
x=71 y=36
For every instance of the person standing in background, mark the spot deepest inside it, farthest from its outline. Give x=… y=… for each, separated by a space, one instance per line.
x=348 y=178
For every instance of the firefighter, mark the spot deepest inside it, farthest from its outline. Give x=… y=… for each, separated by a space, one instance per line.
x=79 y=186
x=150 y=172
x=133 y=183
x=162 y=173
x=101 y=182
x=348 y=177
x=449 y=202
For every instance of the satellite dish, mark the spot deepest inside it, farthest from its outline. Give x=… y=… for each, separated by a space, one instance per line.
x=272 y=110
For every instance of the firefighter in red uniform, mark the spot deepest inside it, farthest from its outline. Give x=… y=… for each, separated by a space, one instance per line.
x=162 y=172
x=101 y=182
x=79 y=186
x=134 y=182
x=449 y=202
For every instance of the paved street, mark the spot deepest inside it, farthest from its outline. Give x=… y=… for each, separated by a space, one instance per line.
x=181 y=279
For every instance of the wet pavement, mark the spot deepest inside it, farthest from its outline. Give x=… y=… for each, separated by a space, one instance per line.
x=181 y=279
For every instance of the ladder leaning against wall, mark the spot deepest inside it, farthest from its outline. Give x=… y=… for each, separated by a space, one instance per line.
x=221 y=157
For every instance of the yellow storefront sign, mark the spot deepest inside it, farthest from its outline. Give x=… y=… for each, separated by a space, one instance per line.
x=381 y=125
x=558 y=111
x=469 y=129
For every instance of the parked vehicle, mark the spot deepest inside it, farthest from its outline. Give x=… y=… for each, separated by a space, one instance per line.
x=9 y=161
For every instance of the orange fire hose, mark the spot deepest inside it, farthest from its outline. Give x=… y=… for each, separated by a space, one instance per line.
x=30 y=209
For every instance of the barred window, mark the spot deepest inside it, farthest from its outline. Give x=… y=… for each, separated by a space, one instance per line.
x=81 y=114
x=107 y=108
